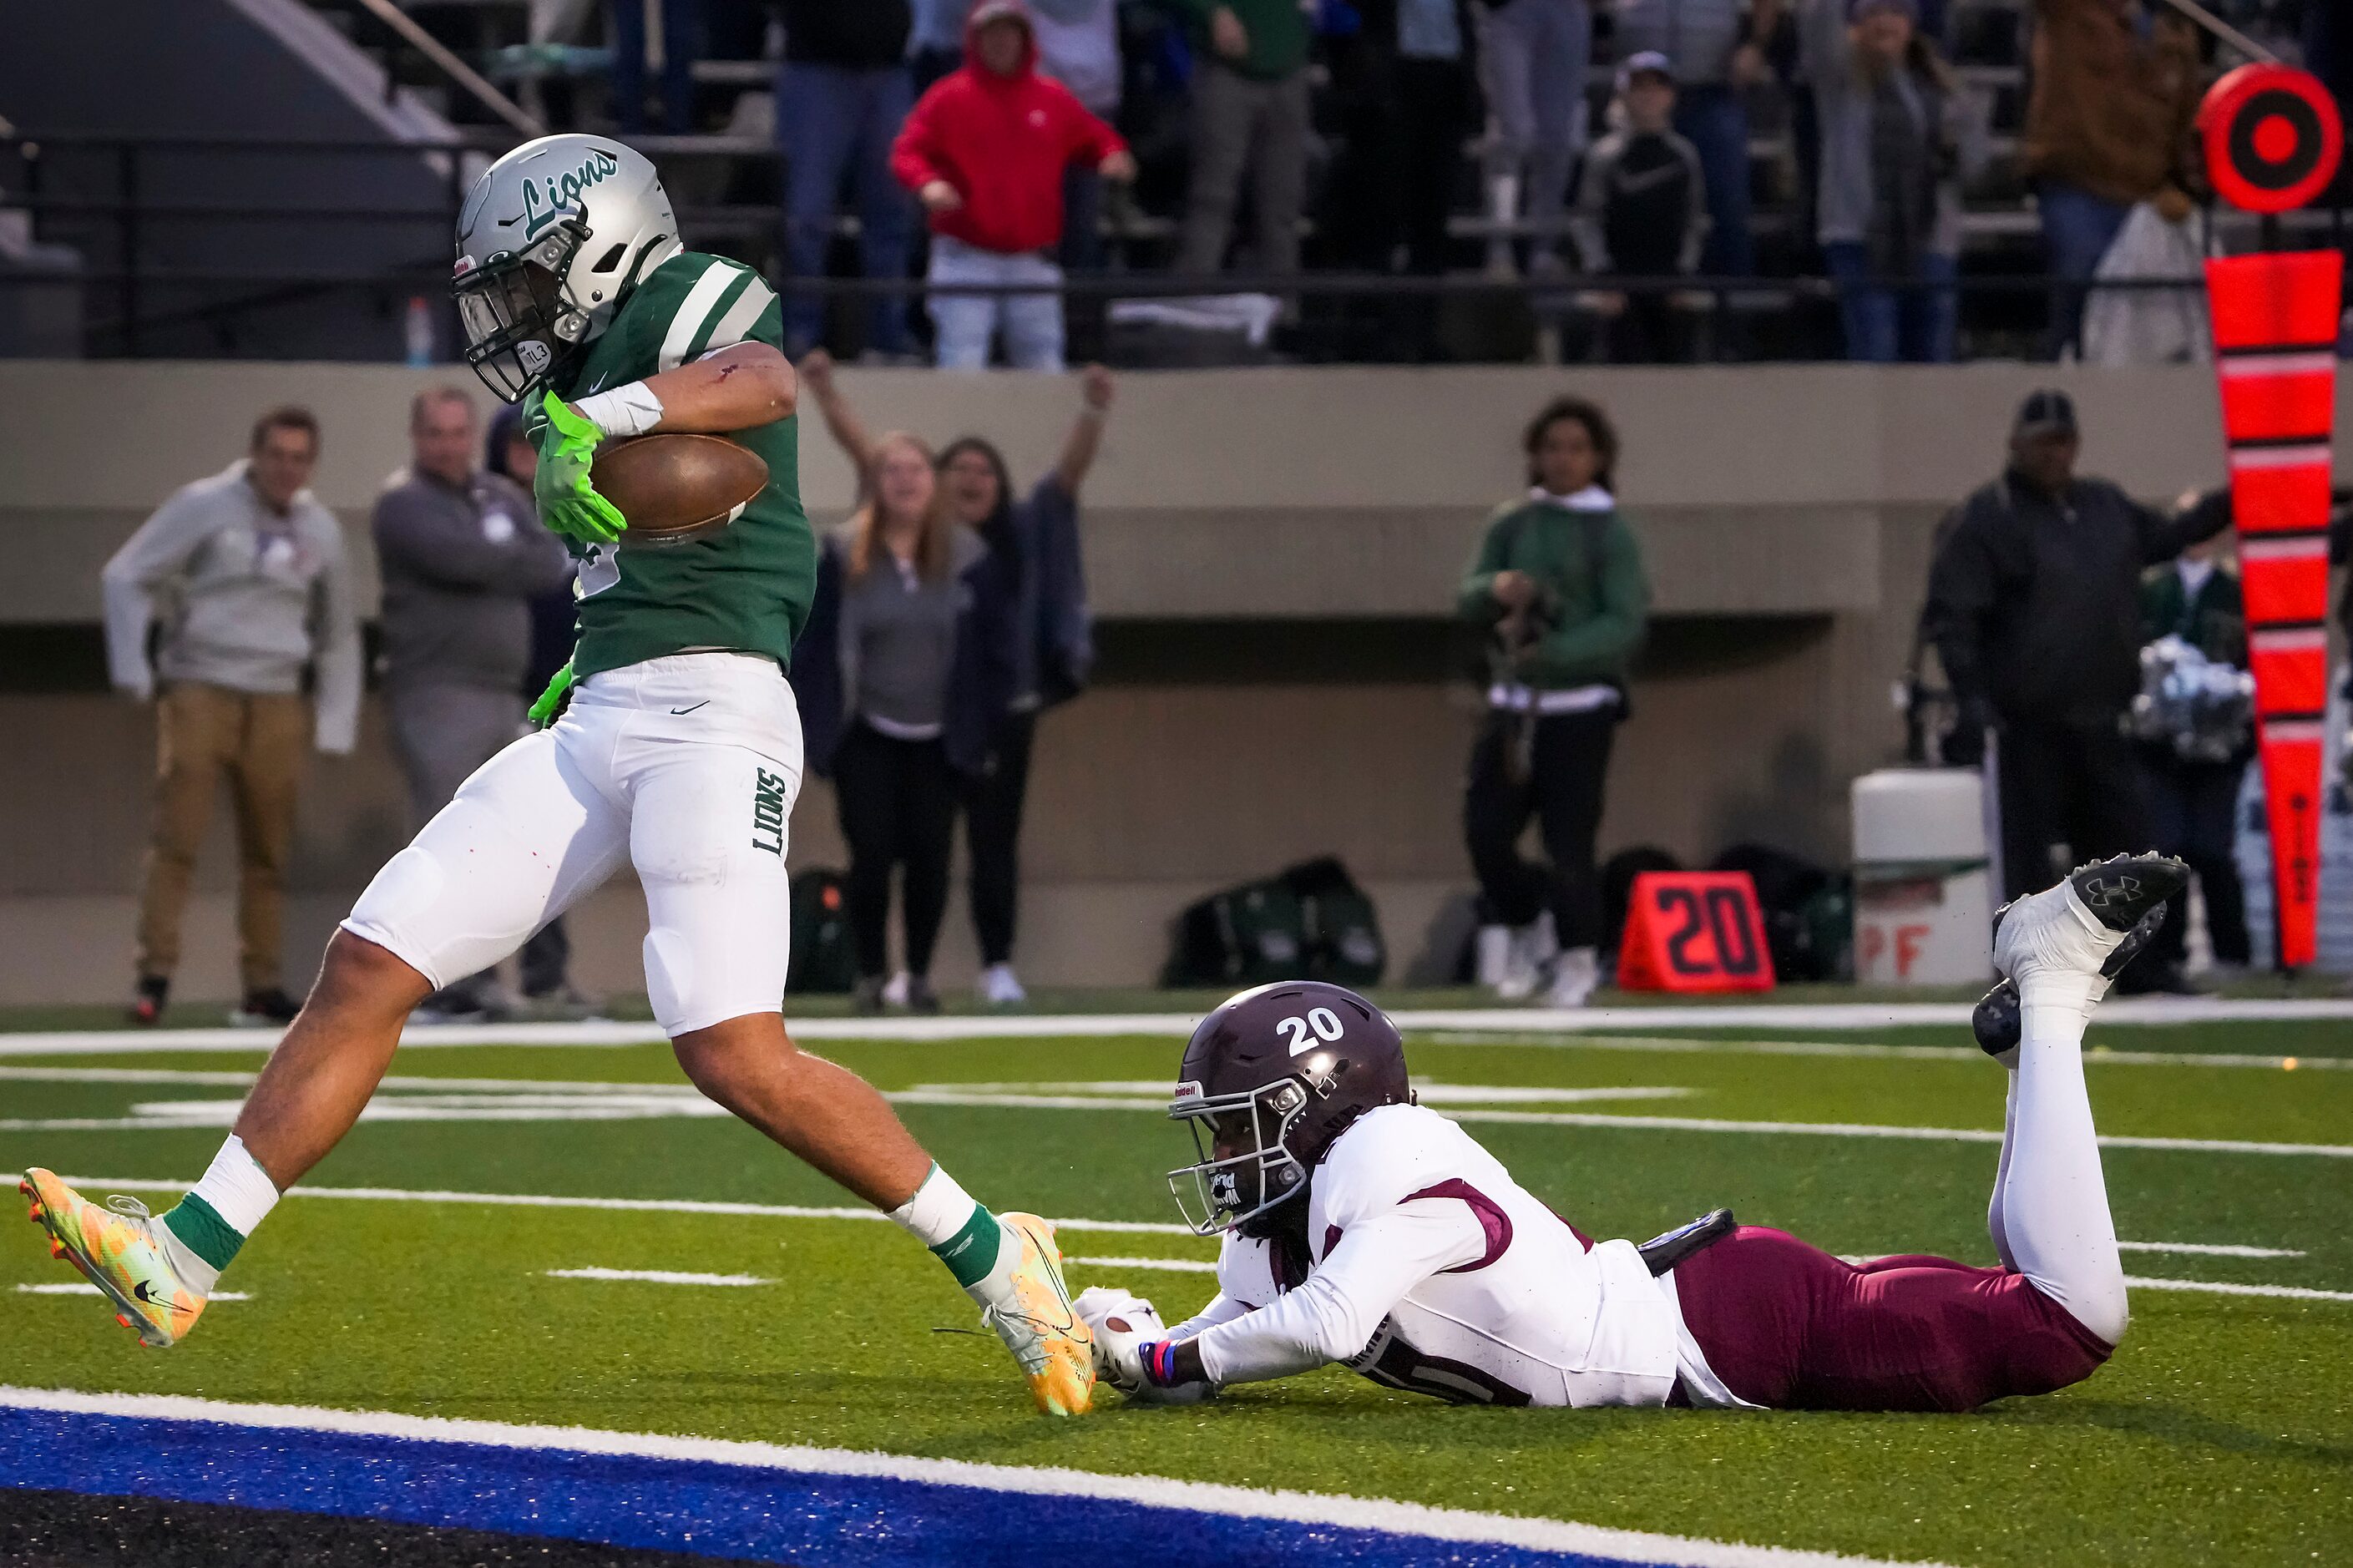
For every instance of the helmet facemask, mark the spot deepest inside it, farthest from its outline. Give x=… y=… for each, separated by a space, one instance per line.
x=519 y=316
x=1246 y=1170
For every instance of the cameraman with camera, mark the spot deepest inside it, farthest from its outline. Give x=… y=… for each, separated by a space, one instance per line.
x=2196 y=720
x=1558 y=582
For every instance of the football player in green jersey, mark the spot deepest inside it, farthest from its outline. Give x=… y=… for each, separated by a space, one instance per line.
x=680 y=753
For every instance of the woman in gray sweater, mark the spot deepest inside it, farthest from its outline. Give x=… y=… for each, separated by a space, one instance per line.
x=1897 y=134
x=904 y=666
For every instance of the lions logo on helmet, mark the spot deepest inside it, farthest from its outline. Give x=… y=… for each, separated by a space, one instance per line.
x=551 y=240
x=1268 y=1081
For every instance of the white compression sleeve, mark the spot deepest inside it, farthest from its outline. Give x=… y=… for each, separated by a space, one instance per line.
x=1331 y=1317
x=2053 y=1198
x=1994 y=1226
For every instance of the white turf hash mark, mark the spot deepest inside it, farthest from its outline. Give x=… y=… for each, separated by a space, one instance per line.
x=794 y=1210
x=1418 y=1520
x=657 y=1277
x=1166 y=1265
x=84 y=1288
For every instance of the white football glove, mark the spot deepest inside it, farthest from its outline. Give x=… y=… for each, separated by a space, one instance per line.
x=1121 y=1322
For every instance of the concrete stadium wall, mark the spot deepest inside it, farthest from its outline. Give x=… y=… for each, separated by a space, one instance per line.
x=1784 y=514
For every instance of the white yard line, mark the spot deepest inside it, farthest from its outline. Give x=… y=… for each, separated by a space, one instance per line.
x=657 y=1277
x=1166 y=1265
x=84 y=1288
x=649 y=1206
x=2210 y=1248
x=2223 y=1288
x=2094 y=1056
x=795 y=1210
x=1200 y=1497
x=186 y=1114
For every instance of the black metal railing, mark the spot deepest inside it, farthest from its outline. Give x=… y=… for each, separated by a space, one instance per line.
x=103 y=196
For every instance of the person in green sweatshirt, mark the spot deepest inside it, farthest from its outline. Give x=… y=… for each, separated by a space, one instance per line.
x=1558 y=582
x=1249 y=111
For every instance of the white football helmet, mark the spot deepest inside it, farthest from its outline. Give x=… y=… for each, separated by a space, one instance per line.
x=551 y=240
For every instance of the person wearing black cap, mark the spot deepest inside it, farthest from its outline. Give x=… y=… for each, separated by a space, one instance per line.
x=2034 y=607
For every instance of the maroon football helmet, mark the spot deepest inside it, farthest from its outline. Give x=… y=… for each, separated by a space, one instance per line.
x=1269 y=1080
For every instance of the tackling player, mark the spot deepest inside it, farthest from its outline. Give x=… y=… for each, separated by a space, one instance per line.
x=1362 y=1229
x=680 y=753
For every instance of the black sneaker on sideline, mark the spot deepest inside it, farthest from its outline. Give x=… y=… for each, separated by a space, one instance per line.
x=921 y=997
x=149 y=998
x=270 y=1008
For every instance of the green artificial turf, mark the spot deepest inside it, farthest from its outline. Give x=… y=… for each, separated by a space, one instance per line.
x=2222 y=1431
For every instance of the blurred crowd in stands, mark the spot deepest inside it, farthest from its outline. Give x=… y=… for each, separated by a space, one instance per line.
x=1889 y=147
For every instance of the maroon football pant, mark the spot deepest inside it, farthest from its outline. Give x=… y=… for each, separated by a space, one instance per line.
x=1788 y=1326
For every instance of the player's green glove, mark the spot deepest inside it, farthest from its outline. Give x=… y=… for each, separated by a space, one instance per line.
x=569 y=503
x=543 y=710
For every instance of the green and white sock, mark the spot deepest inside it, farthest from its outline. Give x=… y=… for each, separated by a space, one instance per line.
x=960 y=1233
x=201 y=1233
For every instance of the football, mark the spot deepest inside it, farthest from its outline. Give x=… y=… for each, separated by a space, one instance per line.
x=674 y=489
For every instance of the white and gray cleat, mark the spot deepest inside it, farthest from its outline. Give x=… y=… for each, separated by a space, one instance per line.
x=2090 y=926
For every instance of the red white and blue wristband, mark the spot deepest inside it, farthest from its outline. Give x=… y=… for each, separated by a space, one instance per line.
x=1159 y=1358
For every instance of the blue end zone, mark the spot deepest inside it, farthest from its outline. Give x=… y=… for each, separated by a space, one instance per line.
x=723 y=1510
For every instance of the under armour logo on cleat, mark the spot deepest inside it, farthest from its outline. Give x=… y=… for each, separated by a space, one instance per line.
x=2102 y=895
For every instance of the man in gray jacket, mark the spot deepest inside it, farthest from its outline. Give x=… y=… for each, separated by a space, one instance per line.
x=246 y=573
x=463 y=556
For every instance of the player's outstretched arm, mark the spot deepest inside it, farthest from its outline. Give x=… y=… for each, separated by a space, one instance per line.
x=1333 y=1316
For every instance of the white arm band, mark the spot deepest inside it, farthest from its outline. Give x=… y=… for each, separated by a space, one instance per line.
x=625 y=411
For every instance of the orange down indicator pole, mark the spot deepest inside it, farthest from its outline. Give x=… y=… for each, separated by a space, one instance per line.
x=2273 y=142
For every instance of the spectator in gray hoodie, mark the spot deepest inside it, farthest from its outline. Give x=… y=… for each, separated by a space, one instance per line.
x=247 y=574
x=463 y=556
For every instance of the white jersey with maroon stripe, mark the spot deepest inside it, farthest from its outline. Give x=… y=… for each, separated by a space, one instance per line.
x=1433 y=1271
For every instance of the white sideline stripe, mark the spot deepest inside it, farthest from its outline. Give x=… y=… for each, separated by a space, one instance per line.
x=2223 y=1288
x=657 y=1276
x=1150 y=1491
x=1178 y=1025
x=84 y=1288
x=649 y=1206
x=1169 y=1264
x=2210 y=1248
x=1515 y=1028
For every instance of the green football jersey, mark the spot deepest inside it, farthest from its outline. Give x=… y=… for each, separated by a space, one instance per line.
x=746 y=588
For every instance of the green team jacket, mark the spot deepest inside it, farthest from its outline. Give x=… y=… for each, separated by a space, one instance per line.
x=2215 y=624
x=746 y=588
x=1590 y=571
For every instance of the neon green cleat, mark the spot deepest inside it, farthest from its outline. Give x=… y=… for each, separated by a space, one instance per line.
x=117 y=1248
x=1036 y=1322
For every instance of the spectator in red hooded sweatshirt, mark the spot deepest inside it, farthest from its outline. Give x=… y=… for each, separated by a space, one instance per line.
x=985 y=150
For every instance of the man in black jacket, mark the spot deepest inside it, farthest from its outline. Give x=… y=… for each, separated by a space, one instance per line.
x=2034 y=607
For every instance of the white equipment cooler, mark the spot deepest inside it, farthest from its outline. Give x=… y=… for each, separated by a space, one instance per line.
x=1923 y=890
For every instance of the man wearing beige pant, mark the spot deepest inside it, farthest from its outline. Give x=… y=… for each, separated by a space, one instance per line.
x=247 y=574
